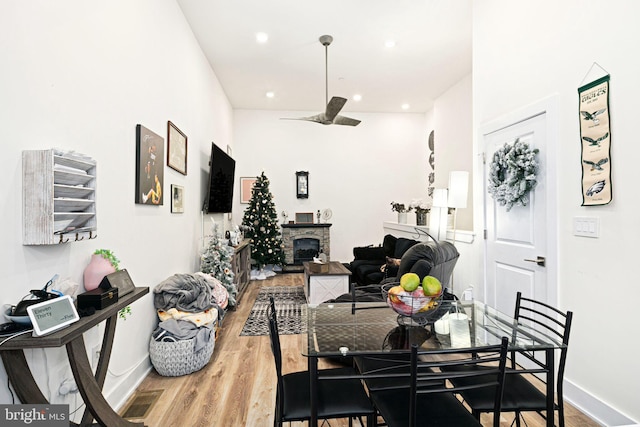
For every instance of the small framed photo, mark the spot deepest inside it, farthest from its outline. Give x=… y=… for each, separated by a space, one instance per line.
x=177 y=198
x=176 y=149
x=302 y=185
x=246 y=186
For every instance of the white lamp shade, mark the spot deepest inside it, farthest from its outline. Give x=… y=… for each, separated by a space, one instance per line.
x=440 y=198
x=458 y=189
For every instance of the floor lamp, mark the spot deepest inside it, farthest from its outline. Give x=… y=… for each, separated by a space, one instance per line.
x=457 y=198
x=438 y=215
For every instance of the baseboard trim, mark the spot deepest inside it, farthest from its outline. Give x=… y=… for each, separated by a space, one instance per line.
x=593 y=407
x=119 y=395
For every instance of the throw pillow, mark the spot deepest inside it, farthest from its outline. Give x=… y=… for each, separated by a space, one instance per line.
x=402 y=245
x=389 y=244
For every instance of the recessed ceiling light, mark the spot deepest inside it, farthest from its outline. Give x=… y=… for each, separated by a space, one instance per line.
x=270 y=94
x=262 y=37
x=406 y=106
x=357 y=97
x=390 y=43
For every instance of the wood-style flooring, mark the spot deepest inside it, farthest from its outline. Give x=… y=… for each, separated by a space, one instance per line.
x=237 y=387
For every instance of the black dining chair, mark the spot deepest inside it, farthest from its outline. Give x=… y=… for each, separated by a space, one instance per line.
x=521 y=394
x=337 y=398
x=429 y=397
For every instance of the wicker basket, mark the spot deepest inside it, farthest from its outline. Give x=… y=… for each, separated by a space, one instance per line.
x=173 y=358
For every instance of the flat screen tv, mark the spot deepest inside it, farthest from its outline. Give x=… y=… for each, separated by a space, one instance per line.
x=219 y=196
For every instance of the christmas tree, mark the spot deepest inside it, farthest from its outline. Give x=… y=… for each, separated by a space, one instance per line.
x=216 y=261
x=261 y=222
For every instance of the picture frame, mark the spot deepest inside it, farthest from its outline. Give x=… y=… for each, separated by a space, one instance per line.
x=120 y=280
x=177 y=198
x=302 y=185
x=304 y=217
x=149 y=183
x=176 y=148
x=246 y=187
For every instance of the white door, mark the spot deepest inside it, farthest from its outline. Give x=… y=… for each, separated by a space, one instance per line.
x=517 y=238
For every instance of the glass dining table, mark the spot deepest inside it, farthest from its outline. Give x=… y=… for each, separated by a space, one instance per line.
x=367 y=329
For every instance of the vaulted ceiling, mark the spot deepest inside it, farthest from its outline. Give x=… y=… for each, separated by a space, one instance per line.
x=432 y=51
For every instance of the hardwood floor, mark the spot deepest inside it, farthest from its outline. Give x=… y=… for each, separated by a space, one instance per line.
x=237 y=387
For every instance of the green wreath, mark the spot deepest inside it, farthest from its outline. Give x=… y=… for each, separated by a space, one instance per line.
x=512 y=174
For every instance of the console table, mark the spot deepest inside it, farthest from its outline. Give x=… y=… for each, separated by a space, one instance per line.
x=241 y=266
x=89 y=384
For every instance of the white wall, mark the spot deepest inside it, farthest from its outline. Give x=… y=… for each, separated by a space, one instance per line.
x=453 y=139
x=524 y=52
x=80 y=75
x=355 y=171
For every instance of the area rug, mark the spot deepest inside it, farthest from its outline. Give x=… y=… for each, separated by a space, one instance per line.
x=289 y=301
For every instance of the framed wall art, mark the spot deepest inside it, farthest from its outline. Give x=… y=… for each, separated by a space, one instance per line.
x=176 y=149
x=246 y=186
x=595 y=134
x=177 y=198
x=302 y=185
x=149 y=167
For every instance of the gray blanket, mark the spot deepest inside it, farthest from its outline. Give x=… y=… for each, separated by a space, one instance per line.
x=186 y=292
x=185 y=330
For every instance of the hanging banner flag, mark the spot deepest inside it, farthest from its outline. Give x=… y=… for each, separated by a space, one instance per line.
x=595 y=134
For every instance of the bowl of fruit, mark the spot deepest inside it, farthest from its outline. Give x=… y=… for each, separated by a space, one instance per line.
x=413 y=299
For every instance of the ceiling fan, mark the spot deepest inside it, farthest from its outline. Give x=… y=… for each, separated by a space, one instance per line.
x=333 y=107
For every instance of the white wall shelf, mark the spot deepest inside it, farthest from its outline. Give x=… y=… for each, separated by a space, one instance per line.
x=58 y=197
x=418 y=232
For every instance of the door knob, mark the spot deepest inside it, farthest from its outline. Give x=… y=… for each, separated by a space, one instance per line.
x=540 y=260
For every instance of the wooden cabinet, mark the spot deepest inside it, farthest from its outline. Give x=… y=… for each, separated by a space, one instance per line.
x=241 y=265
x=58 y=197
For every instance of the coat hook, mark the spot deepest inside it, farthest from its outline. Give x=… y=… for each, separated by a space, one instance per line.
x=91 y=235
x=62 y=240
x=81 y=237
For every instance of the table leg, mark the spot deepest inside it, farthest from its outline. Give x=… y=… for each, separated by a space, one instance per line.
x=20 y=376
x=549 y=355
x=103 y=362
x=313 y=392
x=89 y=389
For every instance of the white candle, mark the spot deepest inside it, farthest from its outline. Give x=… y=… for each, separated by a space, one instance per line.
x=442 y=325
x=459 y=330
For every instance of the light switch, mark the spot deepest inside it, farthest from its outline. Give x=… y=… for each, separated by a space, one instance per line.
x=586 y=226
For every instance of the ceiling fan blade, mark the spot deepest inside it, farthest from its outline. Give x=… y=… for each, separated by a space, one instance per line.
x=318 y=118
x=333 y=107
x=342 y=120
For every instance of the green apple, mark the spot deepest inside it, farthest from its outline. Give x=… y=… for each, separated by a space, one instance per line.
x=431 y=286
x=410 y=281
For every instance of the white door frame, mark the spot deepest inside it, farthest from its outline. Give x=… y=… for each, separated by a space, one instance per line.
x=548 y=106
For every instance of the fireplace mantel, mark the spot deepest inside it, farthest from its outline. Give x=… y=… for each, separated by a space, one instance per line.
x=305 y=225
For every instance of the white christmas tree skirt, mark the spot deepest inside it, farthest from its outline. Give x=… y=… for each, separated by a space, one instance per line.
x=262 y=274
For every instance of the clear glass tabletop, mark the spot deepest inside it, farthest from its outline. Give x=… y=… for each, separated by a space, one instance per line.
x=373 y=328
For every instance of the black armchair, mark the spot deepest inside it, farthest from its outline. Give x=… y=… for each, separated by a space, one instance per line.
x=431 y=258
x=436 y=259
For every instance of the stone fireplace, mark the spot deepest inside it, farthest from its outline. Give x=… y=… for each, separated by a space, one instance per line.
x=304 y=241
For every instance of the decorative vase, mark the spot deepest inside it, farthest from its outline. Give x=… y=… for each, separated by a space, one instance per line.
x=402 y=217
x=95 y=271
x=421 y=217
